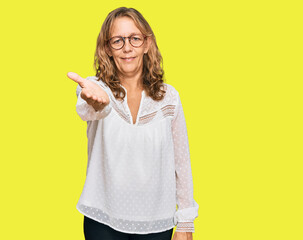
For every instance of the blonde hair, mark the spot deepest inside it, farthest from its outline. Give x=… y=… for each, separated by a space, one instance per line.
x=106 y=70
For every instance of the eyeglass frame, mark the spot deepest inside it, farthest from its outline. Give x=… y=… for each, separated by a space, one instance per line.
x=123 y=38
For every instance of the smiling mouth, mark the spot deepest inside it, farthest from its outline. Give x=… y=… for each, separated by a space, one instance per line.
x=129 y=59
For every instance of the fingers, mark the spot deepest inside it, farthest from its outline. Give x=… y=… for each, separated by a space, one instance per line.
x=98 y=102
x=75 y=77
x=92 y=99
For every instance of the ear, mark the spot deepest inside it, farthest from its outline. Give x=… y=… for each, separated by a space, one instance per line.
x=147 y=45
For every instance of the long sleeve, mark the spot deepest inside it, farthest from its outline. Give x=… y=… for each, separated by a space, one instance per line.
x=187 y=207
x=86 y=111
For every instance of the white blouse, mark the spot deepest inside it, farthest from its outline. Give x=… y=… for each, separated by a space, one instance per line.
x=137 y=173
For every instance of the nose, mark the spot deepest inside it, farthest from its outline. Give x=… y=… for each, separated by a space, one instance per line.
x=127 y=46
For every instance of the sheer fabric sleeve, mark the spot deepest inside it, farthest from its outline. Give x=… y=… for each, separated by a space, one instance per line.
x=86 y=111
x=187 y=209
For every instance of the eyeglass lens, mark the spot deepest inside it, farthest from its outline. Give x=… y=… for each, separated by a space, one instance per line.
x=135 y=41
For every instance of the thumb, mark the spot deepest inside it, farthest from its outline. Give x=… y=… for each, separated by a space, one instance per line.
x=75 y=77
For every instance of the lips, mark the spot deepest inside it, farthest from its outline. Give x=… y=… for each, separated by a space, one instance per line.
x=129 y=59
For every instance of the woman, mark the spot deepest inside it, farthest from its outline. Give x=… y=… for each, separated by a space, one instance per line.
x=138 y=154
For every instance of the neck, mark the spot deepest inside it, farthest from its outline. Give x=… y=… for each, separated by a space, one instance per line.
x=132 y=83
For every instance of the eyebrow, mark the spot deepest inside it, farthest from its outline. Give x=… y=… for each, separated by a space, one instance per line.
x=133 y=33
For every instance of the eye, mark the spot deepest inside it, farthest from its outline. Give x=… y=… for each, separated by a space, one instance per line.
x=117 y=41
x=136 y=38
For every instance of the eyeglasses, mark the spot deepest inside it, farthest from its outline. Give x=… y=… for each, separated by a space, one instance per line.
x=118 y=42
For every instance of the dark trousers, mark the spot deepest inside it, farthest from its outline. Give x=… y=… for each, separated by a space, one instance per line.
x=94 y=230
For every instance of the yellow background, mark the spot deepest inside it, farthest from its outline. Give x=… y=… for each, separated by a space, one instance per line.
x=238 y=68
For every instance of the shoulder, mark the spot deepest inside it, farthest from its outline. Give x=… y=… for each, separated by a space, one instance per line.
x=170 y=88
x=171 y=94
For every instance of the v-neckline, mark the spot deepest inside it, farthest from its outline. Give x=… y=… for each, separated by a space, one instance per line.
x=128 y=109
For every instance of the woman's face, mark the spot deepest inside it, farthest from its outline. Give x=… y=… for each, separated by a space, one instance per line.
x=125 y=27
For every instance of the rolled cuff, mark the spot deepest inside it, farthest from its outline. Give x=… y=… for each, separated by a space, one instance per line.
x=186 y=214
x=185 y=227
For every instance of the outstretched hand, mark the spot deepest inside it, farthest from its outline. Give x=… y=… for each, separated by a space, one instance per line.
x=91 y=92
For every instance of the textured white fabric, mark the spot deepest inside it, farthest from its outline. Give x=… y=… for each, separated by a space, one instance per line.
x=138 y=173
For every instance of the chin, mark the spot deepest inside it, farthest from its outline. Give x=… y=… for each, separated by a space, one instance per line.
x=129 y=70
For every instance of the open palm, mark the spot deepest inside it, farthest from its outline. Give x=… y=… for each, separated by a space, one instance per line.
x=91 y=92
